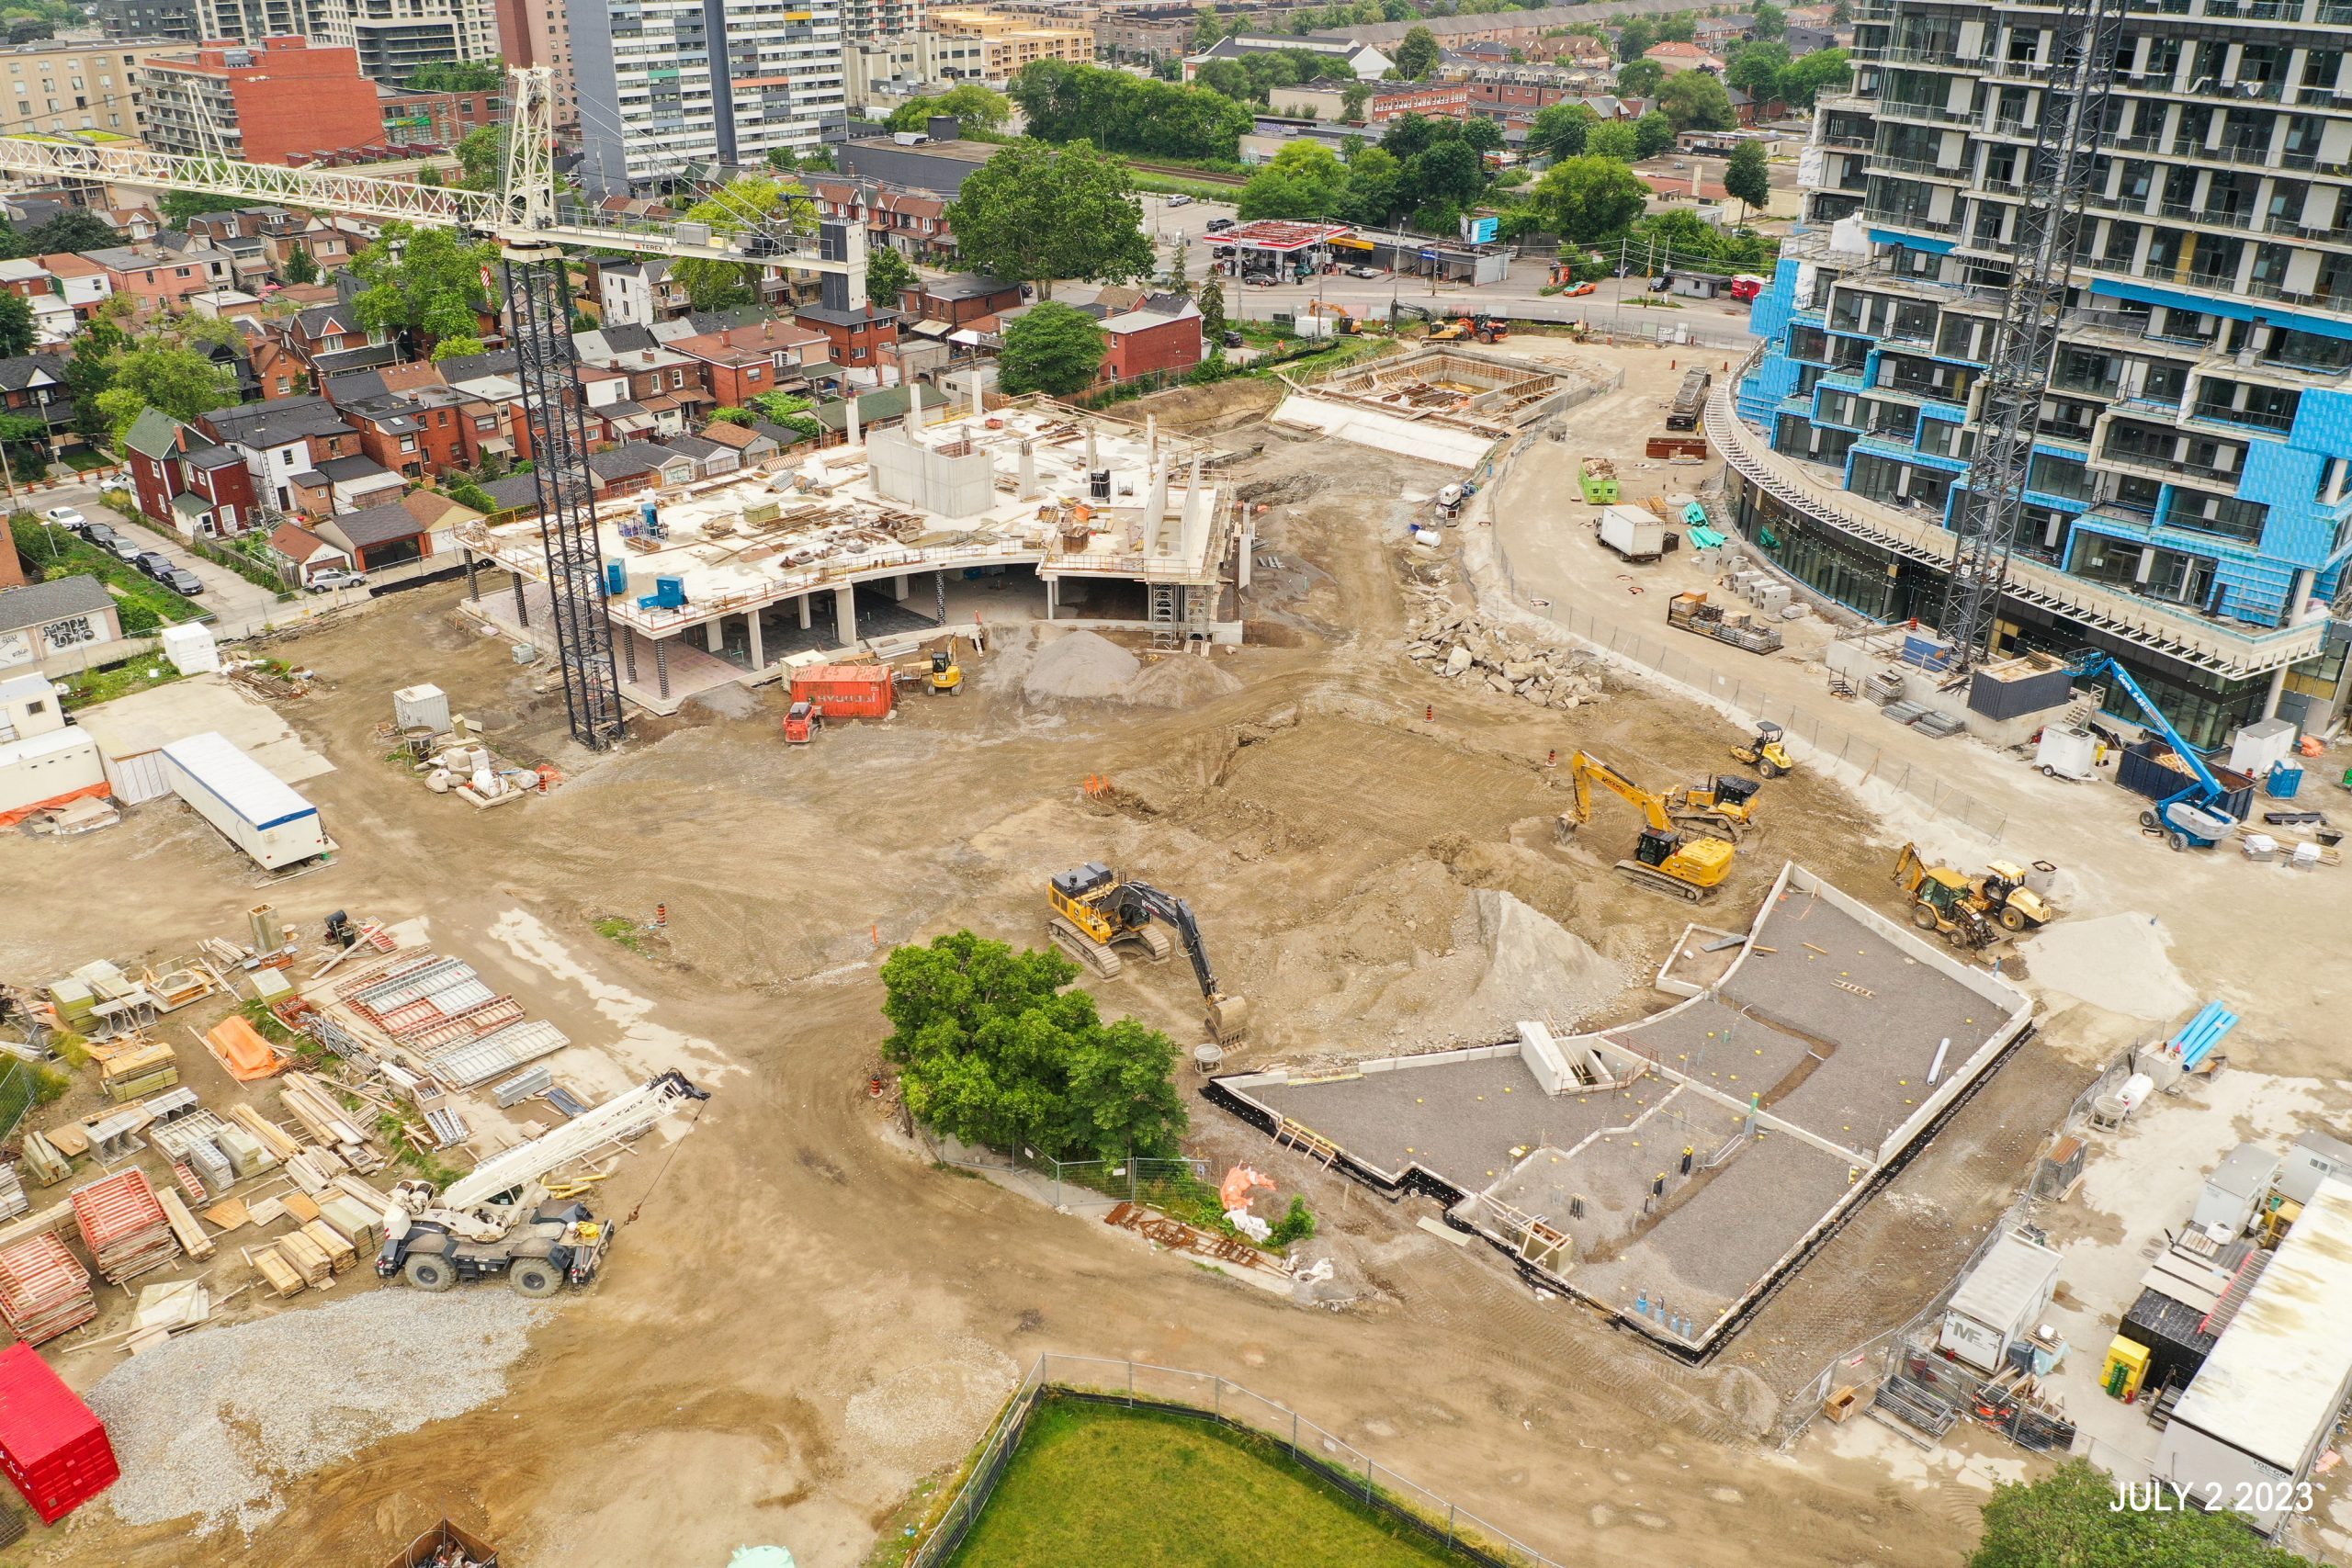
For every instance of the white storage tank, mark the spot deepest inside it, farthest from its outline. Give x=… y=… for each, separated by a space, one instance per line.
x=255 y=810
x=421 y=708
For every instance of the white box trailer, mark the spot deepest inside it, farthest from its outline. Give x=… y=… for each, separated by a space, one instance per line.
x=2254 y=1419
x=1633 y=532
x=255 y=810
x=2000 y=1302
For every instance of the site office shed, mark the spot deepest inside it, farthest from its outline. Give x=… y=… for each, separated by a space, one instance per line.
x=2258 y=1412
x=255 y=810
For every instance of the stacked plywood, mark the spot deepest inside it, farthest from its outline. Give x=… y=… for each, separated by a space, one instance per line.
x=341 y=1254
x=283 y=1277
x=44 y=1289
x=308 y=1258
x=124 y=1226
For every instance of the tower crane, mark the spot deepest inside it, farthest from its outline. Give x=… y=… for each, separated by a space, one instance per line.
x=532 y=232
x=2045 y=233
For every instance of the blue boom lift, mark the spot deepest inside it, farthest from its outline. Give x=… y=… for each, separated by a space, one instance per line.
x=2191 y=819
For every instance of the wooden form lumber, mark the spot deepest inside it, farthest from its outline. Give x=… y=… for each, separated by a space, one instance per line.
x=184 y=1227
x=284 y=1279
x=340 y=1253
x=264 y=1130
x=308 y=1258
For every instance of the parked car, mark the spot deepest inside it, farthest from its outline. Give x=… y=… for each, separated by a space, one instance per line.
x=100 y=535
x=1180 y=200
x=1219 y=225
x=67 y=517
x=124 y=549
x=1363 y=272
x=1234 y=339
x=182 y=581
x=328 y=582
x=1581 y=289
x=154 y=563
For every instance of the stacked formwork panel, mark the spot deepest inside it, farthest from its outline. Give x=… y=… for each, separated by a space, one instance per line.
x=124 y=1226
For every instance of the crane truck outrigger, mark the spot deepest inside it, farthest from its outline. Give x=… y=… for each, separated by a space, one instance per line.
x=497 y=1219
x=2192 y=818
x=1667 y=858
x=1094 y=907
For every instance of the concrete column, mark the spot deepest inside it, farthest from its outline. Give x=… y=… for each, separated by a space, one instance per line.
x=2298 y=589
x=662 y=665
x=1151 y=434
x=628 y=651
x=759 y=642
x=899 y=587
x=2278 y=690
x=521 y=606
x=845 y=615
x=1028 y=485
x=914 y=407
x=473 y=578
x=979 y=394
x=803 y=602
x=714 y=633
x=1052 y=595
x=1090 y=463
x=849 y=411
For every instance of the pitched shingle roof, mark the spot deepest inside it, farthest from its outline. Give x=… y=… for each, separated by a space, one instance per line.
x=42 y=603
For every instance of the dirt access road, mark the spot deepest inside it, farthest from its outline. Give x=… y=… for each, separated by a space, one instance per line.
x=807 y=1318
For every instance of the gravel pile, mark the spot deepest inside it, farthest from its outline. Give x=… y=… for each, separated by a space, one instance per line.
x=1082 y=664
x=208 y=1426
x=1181 y=681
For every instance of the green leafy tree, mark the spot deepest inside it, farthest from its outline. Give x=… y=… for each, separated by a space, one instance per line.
x=888 y=272
x=456 y=349
x=977 y=110
x=73 y=229
x=1213 y=324
x=746 y=203
x=991 y=1049
x=181 y=380
x=458 y=76
x=1679 y=28
x=1841 y=15
x=1634 y=40
x=1353 y=98
x=1063 y=103
x=178 y=206
x=1770 y=20
x=1034 y=214
x=1589 y=199
x=731 y=414
x=2068 y=1519
x=1208 y=27
x=90 y=372
x=1375 y=186
x=1409 y=135
x=1755 y=68
x=1416 y=56
x=1297 y=1224
x=1696 y=100
x=1051 y=348
x=1305 y=180
x=1397 y=10
x=1449 y=172
x=301 y=267
x=1748 y=178
x=1639 y=78
x=425 y=283
x=1613 y=140
x=1480 y=134
x=1653 y=134
x=1808 y=76
x=481 y=158
x=1559 y=130
x=17 y=333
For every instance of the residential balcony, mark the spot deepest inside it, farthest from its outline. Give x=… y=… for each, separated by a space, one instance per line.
x=2229 y=649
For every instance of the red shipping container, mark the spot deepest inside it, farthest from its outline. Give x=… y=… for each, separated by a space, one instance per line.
x=846 y=691
x=52 y=1446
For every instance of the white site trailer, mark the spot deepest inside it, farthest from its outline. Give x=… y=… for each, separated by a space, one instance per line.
x=255 y=810
x=2000 y=1301
x=2246 y=1434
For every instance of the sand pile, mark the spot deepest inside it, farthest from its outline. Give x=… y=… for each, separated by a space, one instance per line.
x=1182 y=681
x=1082 y=664
x=2121 y=963
x=1536 y=968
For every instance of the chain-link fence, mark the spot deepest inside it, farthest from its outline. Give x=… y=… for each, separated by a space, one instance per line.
x=1282 y=1432
x=19 y=1090
x=1174 y=1185
x=1888 y=1354
x=1822 y=739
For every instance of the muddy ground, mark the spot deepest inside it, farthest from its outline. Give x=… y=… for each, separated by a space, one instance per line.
x=808 y=1318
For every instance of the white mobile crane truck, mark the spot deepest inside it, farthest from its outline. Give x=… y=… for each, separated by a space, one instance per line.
x=498 y=1219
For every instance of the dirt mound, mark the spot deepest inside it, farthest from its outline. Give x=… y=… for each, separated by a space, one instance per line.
x=1081 y=665
x=1536 y=967
x=1182 y=681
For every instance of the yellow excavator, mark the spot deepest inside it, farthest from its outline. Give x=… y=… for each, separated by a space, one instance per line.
x=1095 y=909
x=2007 y=893
x=1667 y=858
x=947 y=672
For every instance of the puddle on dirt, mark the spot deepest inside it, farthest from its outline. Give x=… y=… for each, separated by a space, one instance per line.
x=644 y=1047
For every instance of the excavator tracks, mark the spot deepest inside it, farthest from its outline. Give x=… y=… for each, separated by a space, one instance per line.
x=1658 y=880
x=1085 y=948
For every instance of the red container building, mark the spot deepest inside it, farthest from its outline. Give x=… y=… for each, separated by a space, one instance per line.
x=846 y=691
x=52 y=1446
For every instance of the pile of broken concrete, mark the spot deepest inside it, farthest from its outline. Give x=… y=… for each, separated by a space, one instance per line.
x=1460 y=645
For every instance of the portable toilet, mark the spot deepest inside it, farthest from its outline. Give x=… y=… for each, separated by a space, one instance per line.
x=615 y=578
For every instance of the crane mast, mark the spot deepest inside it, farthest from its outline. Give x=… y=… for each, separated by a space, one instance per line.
x=2045 y=231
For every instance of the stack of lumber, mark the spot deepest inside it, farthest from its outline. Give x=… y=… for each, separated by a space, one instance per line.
x=44 y=1289
x=184 y=1227
x=308 y=1258
x=324 y=1118
x=133 y=1067
x=362 y=1222
x=42 y=1158
x=341 y=1254
x=283 y=1277
x=124 y=1226
x=13 y=1200
x=262 y=1131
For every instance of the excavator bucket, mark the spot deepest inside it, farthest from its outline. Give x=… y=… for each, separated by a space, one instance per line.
x=1229 y=1020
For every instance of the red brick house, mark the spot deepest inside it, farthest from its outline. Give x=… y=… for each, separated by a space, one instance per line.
x=309 y=554
x=187 y=481
x=1161 y=333
x=959 y=301
x=740 y=363
x=854 y=338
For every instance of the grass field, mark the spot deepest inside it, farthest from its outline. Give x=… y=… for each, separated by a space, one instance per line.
x=1100 y=1484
